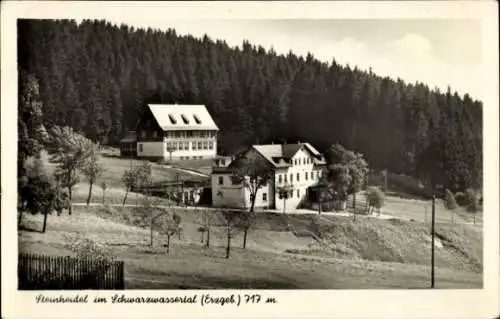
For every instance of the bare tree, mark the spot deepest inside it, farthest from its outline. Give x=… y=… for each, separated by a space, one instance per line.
x=253 y=172
x=170 y=150
x=92 y=170
x=71 y=152
x=172 y=227
x=104 y=186
x=129 y=178
x=206 y=223
x=450 y=203
x=472 y=202
x=231 y=220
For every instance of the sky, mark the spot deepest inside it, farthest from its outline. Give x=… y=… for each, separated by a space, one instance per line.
x=438 y=52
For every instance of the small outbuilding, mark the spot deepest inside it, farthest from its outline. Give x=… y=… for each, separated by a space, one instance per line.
x=128 y=145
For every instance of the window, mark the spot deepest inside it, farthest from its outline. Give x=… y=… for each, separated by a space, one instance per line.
x=306 y=176
x=211 y=145
x=291 y=178
x=169 y=145
x=181 y=158
x=187 y=157
x=221 y=180
x=279 y=179
x=140 y=148
x=184 y=118
x=172 y=119
x=200 y=145
x=205 y=145
x=291 y=194
x=181 y=146
x=298 y=177
x=264 y=197
x=194 y=145
x=295 y=161
x=223 y=162
x=298 y=193
x=318 y=174
x=186 y=146
x=189 y=133
x=197 y=119
x=234 y=181
x=285 y=177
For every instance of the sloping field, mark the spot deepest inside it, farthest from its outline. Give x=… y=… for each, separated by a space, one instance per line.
x=115 y=166
x=458 y=246
x=421 y=210
x=327 y=252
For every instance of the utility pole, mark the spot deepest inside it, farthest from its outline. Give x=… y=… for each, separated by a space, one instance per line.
x=385 y=182
x=432 y=238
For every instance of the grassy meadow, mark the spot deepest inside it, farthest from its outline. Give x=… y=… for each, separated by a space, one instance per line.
x=283 y=252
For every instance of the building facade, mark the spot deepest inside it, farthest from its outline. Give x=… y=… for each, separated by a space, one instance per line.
x=176 y=132
x=294 y=169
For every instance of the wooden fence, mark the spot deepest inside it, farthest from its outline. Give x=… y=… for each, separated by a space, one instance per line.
x=39 y=272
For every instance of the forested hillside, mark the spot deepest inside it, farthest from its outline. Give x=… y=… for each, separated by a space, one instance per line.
x=96 y=77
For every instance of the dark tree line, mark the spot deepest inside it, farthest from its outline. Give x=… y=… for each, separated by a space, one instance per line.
x=96 y=77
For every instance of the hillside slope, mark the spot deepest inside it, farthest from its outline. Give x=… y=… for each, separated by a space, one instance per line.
x=189 y=265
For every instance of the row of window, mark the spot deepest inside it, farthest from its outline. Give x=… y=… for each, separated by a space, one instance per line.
x=221 y=181
x=180 y=134
x=302 y=161
x=196 y=145
x=264 y=195
x=177 y=134
x=290 y=195
x=190 y=157
x=284 y=177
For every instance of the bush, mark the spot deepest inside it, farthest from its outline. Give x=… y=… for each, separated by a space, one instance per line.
x=461 y=199
x=374 y=197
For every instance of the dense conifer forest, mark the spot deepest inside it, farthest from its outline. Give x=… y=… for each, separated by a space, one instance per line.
x=96 y=77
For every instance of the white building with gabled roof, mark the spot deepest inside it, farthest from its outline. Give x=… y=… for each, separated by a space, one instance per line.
x=176 y=132
x=295 y=168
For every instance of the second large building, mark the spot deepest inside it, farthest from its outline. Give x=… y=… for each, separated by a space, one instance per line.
x=176 y=132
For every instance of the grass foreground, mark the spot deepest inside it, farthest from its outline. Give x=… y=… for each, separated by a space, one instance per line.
x=283 y=252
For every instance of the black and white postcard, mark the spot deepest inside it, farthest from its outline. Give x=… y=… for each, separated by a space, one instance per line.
x=250 y=159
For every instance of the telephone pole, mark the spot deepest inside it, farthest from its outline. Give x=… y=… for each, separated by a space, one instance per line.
x=385 y=182
x=432 y=238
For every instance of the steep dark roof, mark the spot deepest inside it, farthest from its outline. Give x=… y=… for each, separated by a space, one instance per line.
x=130 y=137
x=280 y=154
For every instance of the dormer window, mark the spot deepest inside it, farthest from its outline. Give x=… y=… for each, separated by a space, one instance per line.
x=184 y=118
x=197 y=119
x=172 y=119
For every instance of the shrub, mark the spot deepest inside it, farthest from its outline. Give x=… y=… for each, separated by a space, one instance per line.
x=461 y=199
x=374 y=197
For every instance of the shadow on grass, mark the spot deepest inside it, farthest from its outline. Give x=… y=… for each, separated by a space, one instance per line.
x=28 y=229
x=209 y=282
